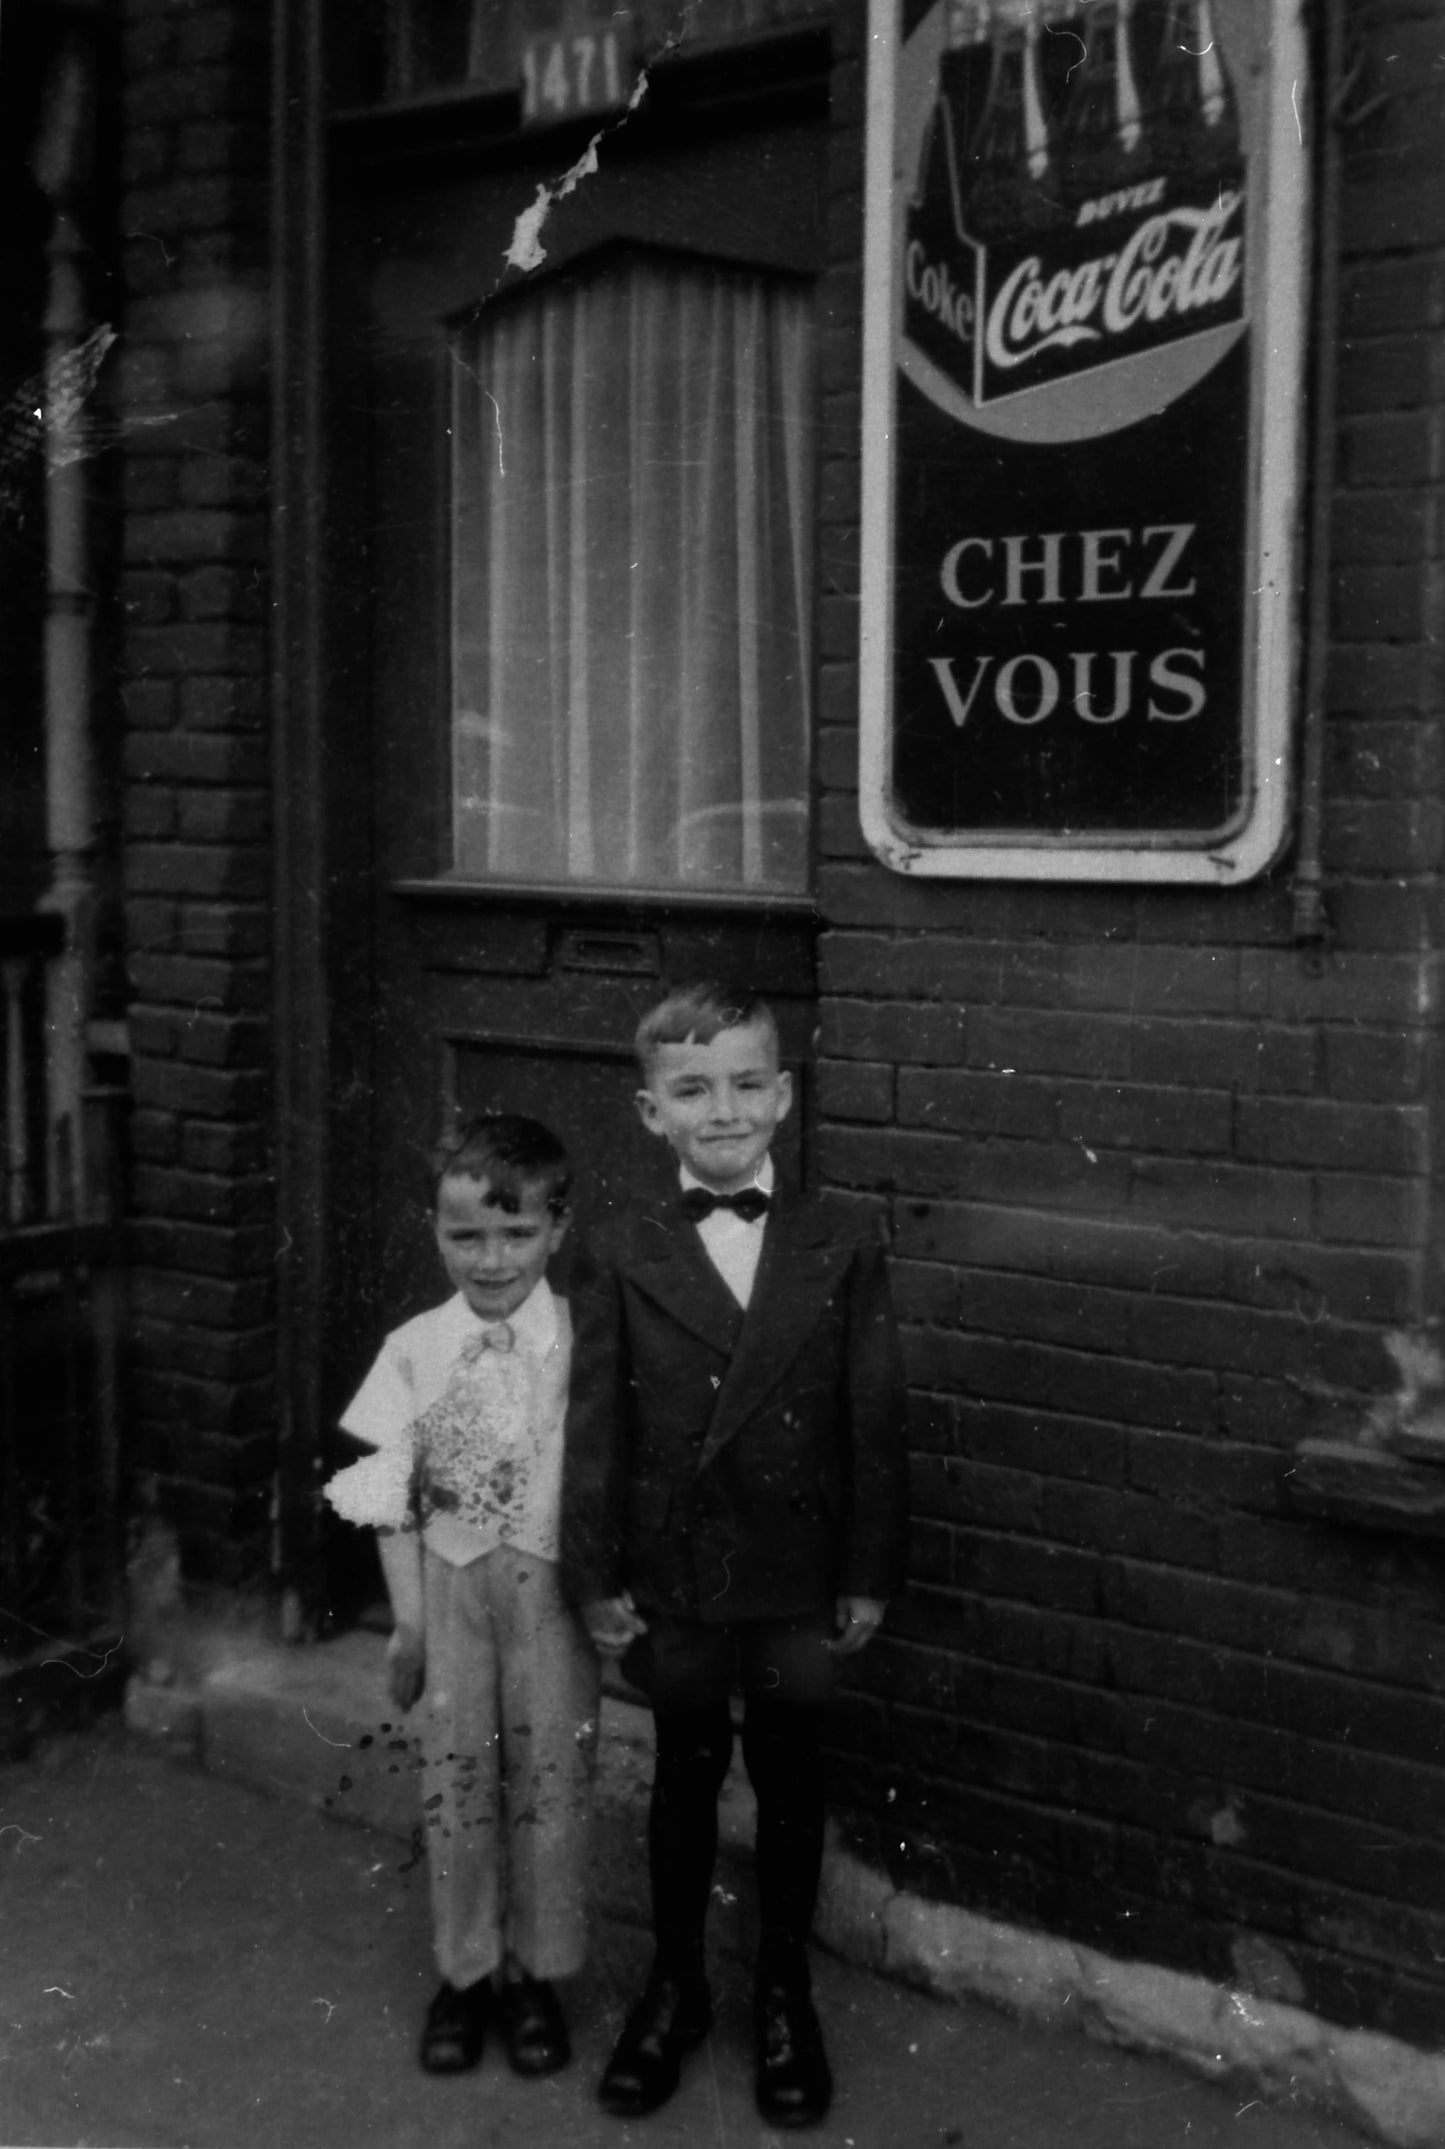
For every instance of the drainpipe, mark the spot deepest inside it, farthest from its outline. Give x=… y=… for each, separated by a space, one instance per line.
x=1339 y=105
x=62 y=172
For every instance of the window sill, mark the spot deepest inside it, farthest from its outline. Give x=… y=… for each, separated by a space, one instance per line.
x=552 y=895
x=1368 y=1488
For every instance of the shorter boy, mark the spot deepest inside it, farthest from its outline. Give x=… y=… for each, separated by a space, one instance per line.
x=464 y=1408
x=733 y=1504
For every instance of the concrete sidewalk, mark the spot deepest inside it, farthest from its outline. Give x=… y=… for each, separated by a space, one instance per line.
x=307 y=1724
x=187 y=1960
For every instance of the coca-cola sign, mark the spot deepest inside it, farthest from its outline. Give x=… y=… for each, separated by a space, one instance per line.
x=1085 y=229
x=1177 y=272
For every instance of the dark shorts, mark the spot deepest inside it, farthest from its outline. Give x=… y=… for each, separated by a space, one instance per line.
x=680 y=1661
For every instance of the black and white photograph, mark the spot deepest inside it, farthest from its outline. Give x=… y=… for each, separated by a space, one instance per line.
x=722 y=1074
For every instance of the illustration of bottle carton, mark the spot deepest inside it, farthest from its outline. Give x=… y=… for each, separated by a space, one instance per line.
x=1080 y=194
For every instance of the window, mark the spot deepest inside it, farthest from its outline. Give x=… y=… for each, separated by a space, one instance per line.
x=631 y=580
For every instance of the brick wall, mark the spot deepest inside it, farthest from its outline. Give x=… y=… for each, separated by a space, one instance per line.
x=195 y=689
x=1158 y=1184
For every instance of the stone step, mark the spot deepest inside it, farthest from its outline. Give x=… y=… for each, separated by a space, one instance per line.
x=311 y=1723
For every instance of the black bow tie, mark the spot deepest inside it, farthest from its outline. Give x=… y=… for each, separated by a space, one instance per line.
x=700 y=1201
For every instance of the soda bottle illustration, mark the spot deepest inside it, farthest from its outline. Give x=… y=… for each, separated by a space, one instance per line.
x=1190 y=105
x=1103 y=141
x=940 y=305
x=1014 y=154
x=954 y=120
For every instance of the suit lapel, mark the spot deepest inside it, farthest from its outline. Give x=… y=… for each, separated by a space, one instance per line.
x=671 y=1265
x=798 y=1272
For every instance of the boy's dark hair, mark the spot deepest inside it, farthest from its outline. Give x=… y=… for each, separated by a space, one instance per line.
x=511 y=1153
x=695 y=1013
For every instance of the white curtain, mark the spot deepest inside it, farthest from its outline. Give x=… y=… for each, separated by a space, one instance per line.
x=631 y=581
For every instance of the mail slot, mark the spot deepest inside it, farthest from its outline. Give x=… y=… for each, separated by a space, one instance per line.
x=621 y=954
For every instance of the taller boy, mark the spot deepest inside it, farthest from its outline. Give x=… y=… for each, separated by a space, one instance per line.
x=733 y=1497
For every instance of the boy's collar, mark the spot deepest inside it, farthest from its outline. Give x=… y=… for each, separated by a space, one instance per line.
x=763 y=1178
x=534 y=1322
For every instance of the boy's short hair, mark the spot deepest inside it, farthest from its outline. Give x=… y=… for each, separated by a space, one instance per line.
x=695 y=1013
x=512 y=1153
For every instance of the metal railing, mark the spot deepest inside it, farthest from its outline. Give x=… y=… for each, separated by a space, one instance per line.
x=61 y=1320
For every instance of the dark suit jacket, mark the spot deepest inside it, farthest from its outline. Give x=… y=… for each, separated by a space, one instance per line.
x=726 y=1466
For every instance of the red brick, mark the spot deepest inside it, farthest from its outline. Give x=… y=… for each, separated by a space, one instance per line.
x=1383 y=758
x=1394 y=836
x=210 y=1092
x=224 y=704
x=1385 y=914
x=1375 y=1066
x=220 y=1303
x=211 y=1146
x=1134 y=1116
x=1393 y=295
x=1391 y=372
x=150 y=812
x=1369 y=1211
x=1210 y=1196
x=222 y=593
x=223 y=481
x=242 y=930
x=1383 y=677
x=211 y=986
x=194 y=869
x=204 y=1249
x=866 y=1030
x=840 y=833
x=183 y=756
x=1404 y=526
x=154 y=1137
x=925 y=1292
x=1336 y=1136
x=223 y=33
x=184 y=536
x=201 y=1038
x=148 y=484
x=239 y=146
x=836 y=767
x=855 y=1089
x=1076 y=1383
x=968 y=1102
x=148 y=598
x=223 y=816
x=1042 y=1440
x=1280 y=987
x=197 y=1197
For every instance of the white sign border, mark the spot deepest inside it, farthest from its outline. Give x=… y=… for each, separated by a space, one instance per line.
x=1270 y=680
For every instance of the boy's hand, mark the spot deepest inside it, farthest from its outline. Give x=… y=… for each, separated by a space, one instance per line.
x=859 y=1619
x=405 y=1666
x=614 y=1623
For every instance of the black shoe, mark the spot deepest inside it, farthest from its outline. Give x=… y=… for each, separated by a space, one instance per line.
x=456 y=2028
x=794 y=2086
x=646 y=2063
x=532 y=2026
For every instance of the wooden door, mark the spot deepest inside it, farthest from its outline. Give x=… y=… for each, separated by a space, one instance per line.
x=462 y=986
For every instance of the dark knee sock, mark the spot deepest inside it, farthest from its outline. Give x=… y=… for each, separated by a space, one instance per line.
x=782 y=1746
x=694 y=1746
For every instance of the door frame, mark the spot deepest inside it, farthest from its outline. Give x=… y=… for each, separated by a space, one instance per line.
x=322 y=888
x=300 y=814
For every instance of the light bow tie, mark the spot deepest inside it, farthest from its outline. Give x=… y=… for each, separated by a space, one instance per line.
x=499 y=1336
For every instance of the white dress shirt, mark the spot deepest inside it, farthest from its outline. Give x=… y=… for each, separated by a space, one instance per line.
x=482 y=1427
x=734 y=1244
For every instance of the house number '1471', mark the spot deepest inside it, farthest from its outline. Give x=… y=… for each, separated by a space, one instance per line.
x=563 y=75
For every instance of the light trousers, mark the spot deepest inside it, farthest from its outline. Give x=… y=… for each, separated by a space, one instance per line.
x=508 y=1725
